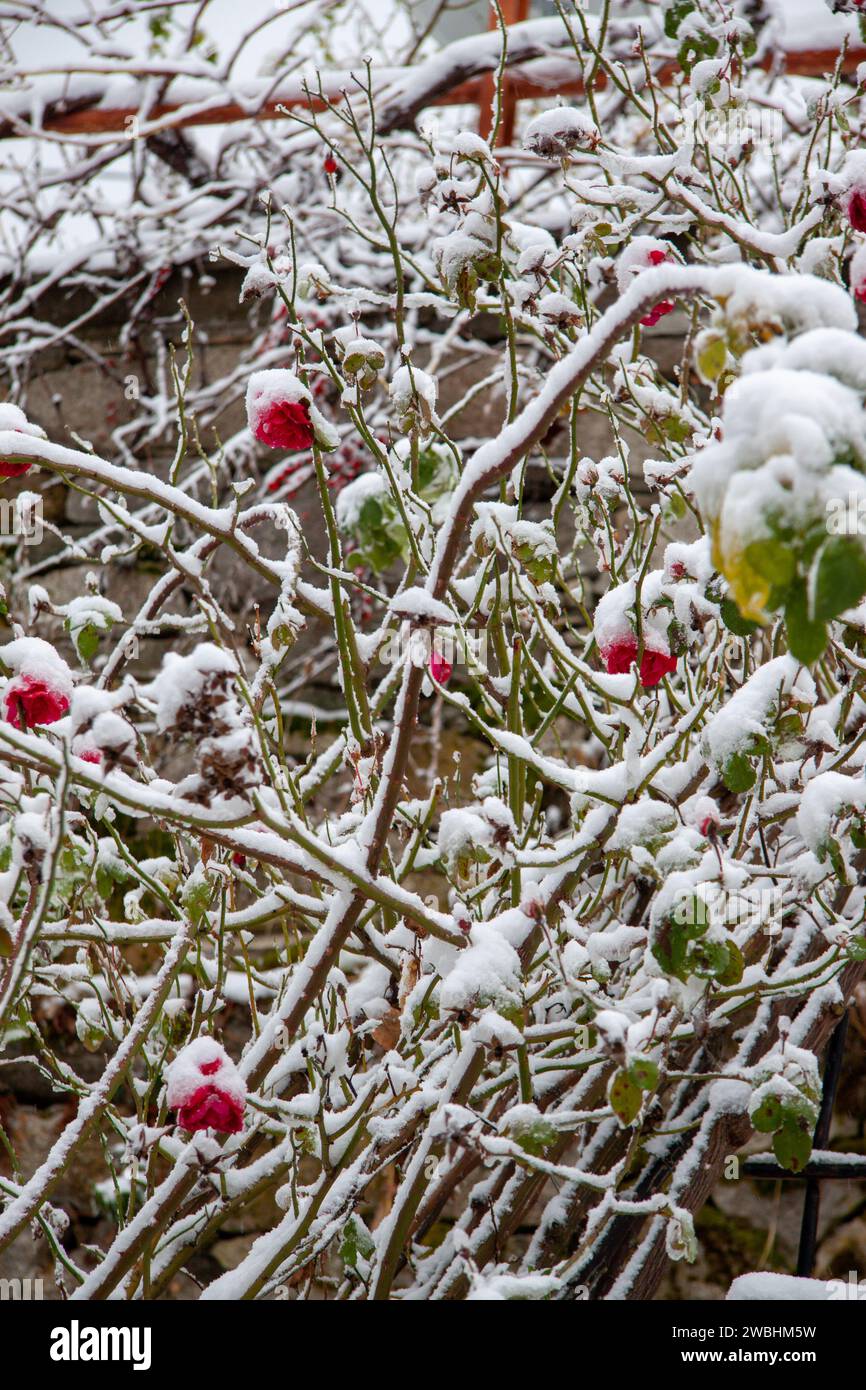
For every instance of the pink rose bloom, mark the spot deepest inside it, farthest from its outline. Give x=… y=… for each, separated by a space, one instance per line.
x=620 y=656
x=206 y=1088
x=41 y=702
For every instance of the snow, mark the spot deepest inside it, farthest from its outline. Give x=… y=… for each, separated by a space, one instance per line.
x=418 y=604
x=825 y=798
x=31 y=656
x=779 y=1288
x=434 y=920
x=185 y=1075
x=408 y=382
x=747 y=712
x=183 y=678
x=12 y=417
x=559 y=131
x=486 y=973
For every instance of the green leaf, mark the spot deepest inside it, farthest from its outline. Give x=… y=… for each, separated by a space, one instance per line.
x=624 y=1096
x=732 y=972
x=709 y=959
x=370 y=514
x=675 y=16
x=768 y=1116
x=773 y=561
x=691 y=913
x=711 y=356
x=840 y=576
x=87 y=642
x=536 y=1137
x=670 y=946
x=644 y=1073
x=734 y=620
x=792 y=1145
x=356 y=1241
x=832 y=850
x=738 y=774
x=807 y=637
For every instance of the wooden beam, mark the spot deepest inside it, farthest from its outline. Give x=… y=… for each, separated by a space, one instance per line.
x=513 y=12
x=86 y=116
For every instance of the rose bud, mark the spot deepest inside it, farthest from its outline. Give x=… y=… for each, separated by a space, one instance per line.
x=440 y=669
x=206 y=1089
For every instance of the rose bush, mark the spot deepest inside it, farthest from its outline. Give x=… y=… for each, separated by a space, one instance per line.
x=374 y=815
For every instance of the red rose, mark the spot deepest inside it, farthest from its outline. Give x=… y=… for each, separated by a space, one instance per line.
x=620 y=656
x=8 y=469
x=440 y=669
x=42 y=704
x=211 y=1108
x=285 y=425
x=658 y=311
x=655 y=666
x=206 y=1089
x=664 y=306
x=87 y=752
x=857 y=210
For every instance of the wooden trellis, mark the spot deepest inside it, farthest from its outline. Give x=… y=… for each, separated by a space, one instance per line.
x=88 y=113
